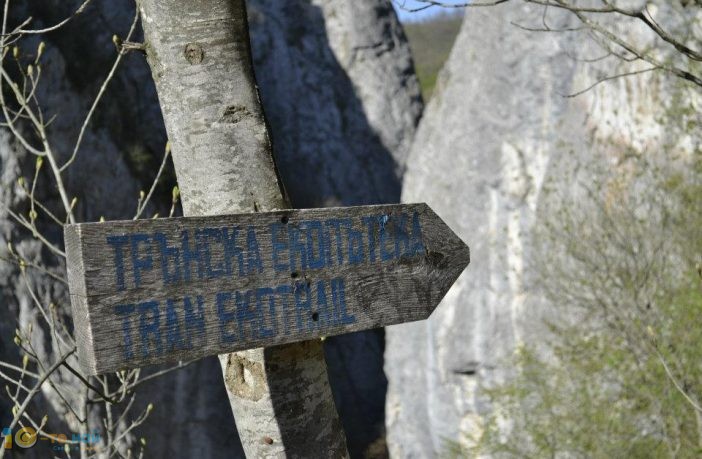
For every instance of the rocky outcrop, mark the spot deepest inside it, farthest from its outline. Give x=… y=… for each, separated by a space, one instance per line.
x=479 y=159
x=339 y=90
x=498 y=130
x=342 y=112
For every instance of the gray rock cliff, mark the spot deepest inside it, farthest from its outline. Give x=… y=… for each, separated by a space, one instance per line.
x=479 y=159
x=337 y=84
x=496 y=132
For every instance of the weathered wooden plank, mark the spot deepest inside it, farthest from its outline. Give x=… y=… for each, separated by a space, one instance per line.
x=151 y=291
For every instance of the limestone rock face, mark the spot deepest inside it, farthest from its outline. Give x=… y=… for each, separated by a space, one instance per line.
x=337 y=84
x=478 y=160
x=367 y=32
x=496 y=132
x=339 y=90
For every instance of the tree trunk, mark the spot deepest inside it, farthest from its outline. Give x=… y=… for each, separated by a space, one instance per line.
x=200 y=58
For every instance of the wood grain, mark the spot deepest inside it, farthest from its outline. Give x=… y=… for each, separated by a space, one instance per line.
x=152 y=291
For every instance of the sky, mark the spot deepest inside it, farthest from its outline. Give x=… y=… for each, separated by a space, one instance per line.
x=410 y=4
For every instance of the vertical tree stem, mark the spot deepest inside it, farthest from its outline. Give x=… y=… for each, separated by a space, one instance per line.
x=200 y=58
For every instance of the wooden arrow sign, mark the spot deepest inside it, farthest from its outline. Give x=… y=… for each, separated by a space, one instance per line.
x=152 y=291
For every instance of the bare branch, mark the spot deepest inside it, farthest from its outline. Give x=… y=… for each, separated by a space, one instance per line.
x=34 y=391
x=546 y=28
x=23 y=221
x=684 y=74
x=179 y=366
x=144 y=202
x=101 y=92
x=610 y=78
x=88 y=384
x=22 y=31
x=676 y=383
x=430 y=3
x=644 y=15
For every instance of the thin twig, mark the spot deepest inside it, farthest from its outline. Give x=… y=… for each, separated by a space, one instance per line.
x=34 y=391
x=180 y=365
x=18 y=369
x=18 y=261
x=431 y=3
x=22 y=221
x=145 y=201
x=88 y=384
x=609 y=78
x=16 y=382
x=100 y=93
x=675 y=382
x=22 y=31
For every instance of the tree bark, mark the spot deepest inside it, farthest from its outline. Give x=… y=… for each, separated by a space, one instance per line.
x=200 y=58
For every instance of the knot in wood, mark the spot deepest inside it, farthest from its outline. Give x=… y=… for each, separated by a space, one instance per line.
x=194 y=53
x=244 y=377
